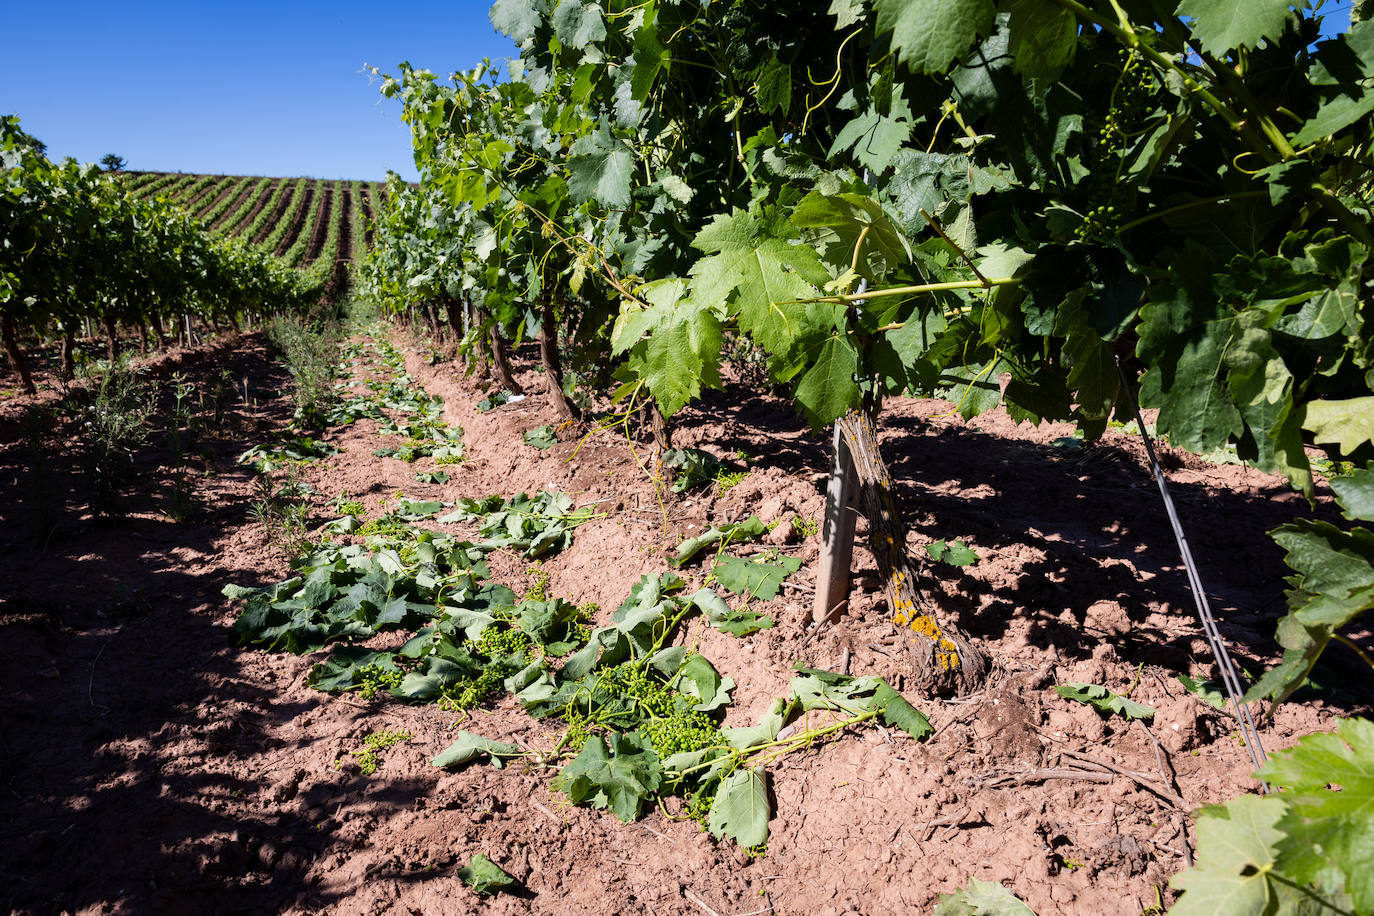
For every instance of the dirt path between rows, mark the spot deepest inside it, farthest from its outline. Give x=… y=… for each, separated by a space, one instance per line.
x=149 y=767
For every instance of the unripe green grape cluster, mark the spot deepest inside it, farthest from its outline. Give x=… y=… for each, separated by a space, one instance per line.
x=497 y=641
x=374 y=678
x=681 y=732
x=1100 y=222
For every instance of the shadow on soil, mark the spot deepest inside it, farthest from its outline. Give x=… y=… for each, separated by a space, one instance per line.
x=125 y=708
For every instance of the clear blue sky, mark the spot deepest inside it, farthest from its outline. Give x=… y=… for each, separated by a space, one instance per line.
x=243 y=88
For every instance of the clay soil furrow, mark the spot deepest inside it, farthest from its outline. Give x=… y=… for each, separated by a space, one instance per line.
x=284 y=202
x=221 y=183
x=211 y=201
x=297 y=220
x=321 y=231
x=338 y=277
x=251 y=213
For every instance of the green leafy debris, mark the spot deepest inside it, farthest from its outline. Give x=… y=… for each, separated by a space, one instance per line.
x=955 y=553
x=486 y=877
x=470 y=747
x=758 y=578
x=541 y=437
x=1104 y=700
x=981 y=898
x=736 y=533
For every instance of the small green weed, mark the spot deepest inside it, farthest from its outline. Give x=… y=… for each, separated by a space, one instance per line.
x=114 y=425
x=805 y=527
x=727 y=480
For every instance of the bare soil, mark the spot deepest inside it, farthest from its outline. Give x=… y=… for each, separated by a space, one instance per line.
x=284 y=203
x=299 y=216
x=152 y=768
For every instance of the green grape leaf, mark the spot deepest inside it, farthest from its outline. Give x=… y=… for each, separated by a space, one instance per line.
x=1329 y=834
x=470 y=747
x=750 y=529
x=1043 y=38
x=541 y=437
x=981 y=898
x=1233 y=875
x=698 y=678
x=775 y=86
x=752 y=265
x=1222 y=25
x=651 y=59
x=754 y=578
x=599 y=169
x=899 y=713
x=578 y=24
x=1355 y=494
x=955 y=553
x=930 y=35
x=342 y=670
x=839 y=223
x=875 y=137
x=1334 y=584
x=740 y=809
x=1345 y=424
x=718 y=614
x=414 y=510
x=846 y=12
x=486 y=877
x=517 y=18
x=619 y=777
x=1104 y=700
x=683 y=356
x=1209 y=692
x=829 y=388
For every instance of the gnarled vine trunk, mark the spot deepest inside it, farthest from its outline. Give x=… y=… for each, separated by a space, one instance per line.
x=951 y=664
x=553 y=367
x=111 y=338
x=15 y=356
x=500 y=361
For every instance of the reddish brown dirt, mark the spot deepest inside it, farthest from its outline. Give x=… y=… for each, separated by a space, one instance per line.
x=287 y=200
x=321 y=228
x=192 y=204
x=232 y=186
x=261 y=201
x=235 y=211
x=300 y=212
x=152 y=768
x=339 y=277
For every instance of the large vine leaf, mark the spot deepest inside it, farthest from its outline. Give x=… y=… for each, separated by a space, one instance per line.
x=620 y=777
x=1221 y=25
x=1333 y=584
x=930 y=35
x=740 y=810
x=1234 y=871
x=599 y=170
x=753 y=270
x=1329 y=833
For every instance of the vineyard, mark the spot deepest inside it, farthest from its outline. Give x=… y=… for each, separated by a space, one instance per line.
x=318 y=227
x=898 y=456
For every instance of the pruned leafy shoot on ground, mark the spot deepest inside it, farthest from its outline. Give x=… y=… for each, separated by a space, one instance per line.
x=641 y=716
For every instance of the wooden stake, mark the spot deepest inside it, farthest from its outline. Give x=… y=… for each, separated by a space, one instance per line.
x=837 y=537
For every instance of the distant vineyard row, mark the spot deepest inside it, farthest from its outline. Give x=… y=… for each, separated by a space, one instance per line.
x=316 y=226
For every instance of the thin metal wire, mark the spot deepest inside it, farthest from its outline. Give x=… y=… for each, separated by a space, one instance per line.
x=1230 y=677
